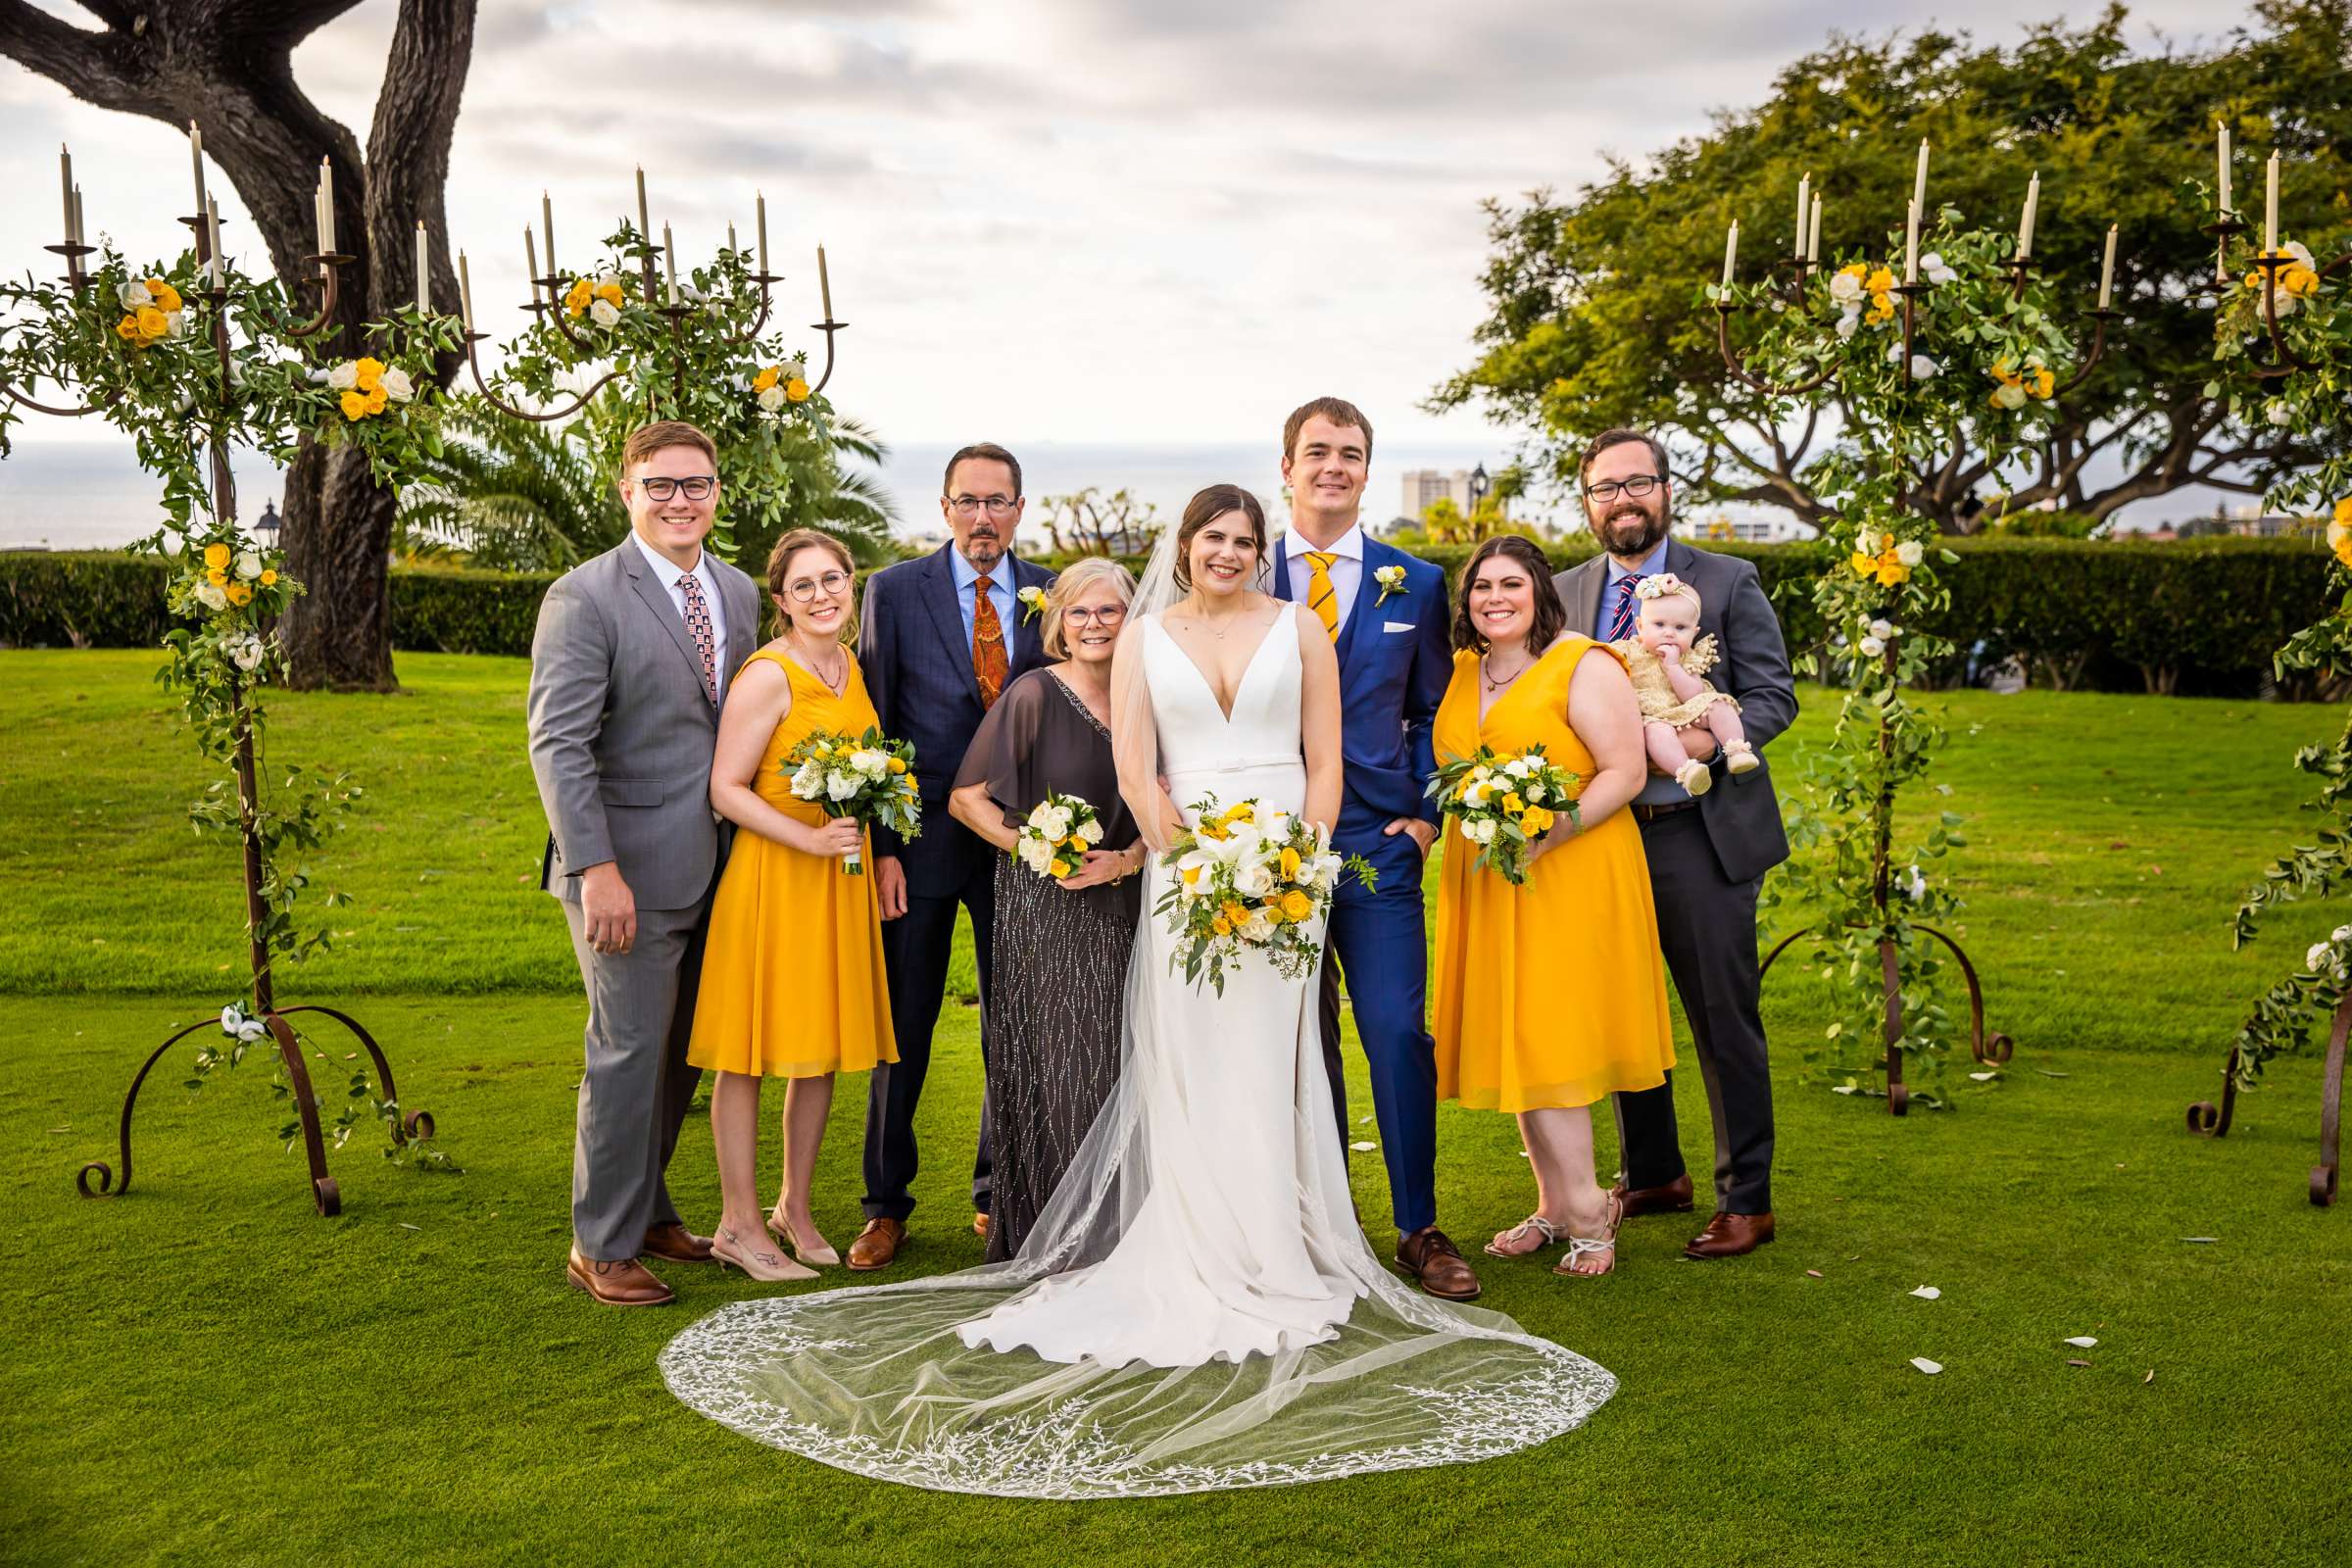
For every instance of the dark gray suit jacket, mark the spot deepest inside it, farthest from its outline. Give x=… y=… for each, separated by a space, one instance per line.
x=621 y=734
x=1741 y=812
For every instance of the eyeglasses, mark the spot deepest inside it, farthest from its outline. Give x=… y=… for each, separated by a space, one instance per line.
x=697 y=487
x=1608 y=490
x=807 y=588
x=972 y=506
x=1109 y=616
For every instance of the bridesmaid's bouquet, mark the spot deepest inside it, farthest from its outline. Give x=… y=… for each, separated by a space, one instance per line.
x=1059 y=831
x=1505 y=803
x=870 y=778
x=1248 y=879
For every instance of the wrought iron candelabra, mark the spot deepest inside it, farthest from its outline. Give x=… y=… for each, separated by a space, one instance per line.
x=1789 y=280
x=322 y=272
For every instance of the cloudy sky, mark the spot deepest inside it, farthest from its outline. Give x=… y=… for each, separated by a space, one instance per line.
x=1105 y=221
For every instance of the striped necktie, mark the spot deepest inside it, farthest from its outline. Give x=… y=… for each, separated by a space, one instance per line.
x=1621 y=625
x=1321 y=596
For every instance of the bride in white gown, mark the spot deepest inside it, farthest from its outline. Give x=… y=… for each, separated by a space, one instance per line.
x=1197 y=1307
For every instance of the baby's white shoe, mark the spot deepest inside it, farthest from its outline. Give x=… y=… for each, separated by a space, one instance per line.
x=1742 y=758
x=1695 y=778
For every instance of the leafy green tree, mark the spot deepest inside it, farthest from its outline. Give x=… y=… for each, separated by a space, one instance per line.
x=1595 y=311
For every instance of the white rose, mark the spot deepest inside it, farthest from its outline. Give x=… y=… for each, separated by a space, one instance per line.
x=1035 y=855
x=1909 y=552
x=873 y=764
x=1092 y=832
x=176 y=324
x=344 y=377
x=2319 y=960
x=1037 y=815
x=841 y=786
x=1479 y=832
x=252 y=1029
x=1847 y=324
x=1253 y=879
x=809 y=781
x=245 y=653
x=135 y=295
x=1518 y=768
x=396 y=385
x=1257 y=928
x=1924 y=369
x=2342 y=933
x=2009 y=397
x=1882 y=629
x=1936 y=270
x=602 y=313
x=211 y=597
x=231 y=1017
x=322 y=376
x=249 y=564
x=1847 y=290
x=2278 y=414
x=1056 y=824
x=1536 y=791
x=772 y=400
x=1871 y=647
x=1917 y=888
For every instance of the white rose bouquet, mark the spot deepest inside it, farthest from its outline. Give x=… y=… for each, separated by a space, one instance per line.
x=870 y=778
x=1059 y=831
x=1505 y=804
x=1249 y=879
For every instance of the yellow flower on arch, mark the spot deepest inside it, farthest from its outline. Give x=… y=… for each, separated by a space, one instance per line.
x=766 y=378
x=127 y=329
x=576 y=298
x=355 y=405
x=153 y=323
x=239 y=594
x=165 y=297
x=795 y=390
x=367 y=373
x=216 y=557
x=269 y=578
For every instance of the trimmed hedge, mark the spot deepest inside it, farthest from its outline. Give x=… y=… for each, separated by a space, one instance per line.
x=2195 y=617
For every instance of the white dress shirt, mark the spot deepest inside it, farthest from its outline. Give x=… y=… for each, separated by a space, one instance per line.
x=671 y=572
x=1347 y=570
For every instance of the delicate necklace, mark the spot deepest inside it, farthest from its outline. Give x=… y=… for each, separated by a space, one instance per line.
x=1487 y=674
x=841 y=666
x=1210 y=626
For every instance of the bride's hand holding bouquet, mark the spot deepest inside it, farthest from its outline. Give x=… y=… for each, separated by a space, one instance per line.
x=1248 y=879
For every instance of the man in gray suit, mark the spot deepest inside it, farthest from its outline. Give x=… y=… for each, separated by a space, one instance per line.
x=629 y=665
x=1708 y=855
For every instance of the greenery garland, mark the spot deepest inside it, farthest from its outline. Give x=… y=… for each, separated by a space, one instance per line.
x=1987 y=362
x=2313 y=402
x=149 y=350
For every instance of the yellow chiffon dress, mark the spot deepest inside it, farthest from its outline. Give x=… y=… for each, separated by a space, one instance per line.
x=792 y=983
x=1550 y=994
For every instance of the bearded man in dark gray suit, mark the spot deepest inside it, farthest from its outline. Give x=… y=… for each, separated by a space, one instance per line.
x=1708 y=855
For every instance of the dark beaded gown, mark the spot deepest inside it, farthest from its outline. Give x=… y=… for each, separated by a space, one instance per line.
x=1060 y=982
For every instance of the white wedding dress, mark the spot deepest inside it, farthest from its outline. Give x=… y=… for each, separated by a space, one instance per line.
x=1197 y=1307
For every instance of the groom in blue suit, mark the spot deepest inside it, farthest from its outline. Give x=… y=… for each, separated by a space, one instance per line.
x=1386 y=614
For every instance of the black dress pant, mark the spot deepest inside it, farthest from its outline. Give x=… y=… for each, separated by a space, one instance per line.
x=1707 y=929
x=916 y=948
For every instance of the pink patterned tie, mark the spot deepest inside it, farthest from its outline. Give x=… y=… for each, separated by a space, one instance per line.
x=698 y=625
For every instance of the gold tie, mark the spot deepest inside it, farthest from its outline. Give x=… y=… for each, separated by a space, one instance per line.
x=1321 y=597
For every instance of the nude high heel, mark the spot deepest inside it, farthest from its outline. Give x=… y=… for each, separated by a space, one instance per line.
x=769 y=1268
x=821 y=1254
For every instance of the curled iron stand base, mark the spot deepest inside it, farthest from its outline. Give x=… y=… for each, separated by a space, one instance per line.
x=2213 y=1121
x=326 y=1195
x=1989 y=1050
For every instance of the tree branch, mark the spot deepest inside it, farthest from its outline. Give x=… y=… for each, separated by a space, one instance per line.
x=97 y=68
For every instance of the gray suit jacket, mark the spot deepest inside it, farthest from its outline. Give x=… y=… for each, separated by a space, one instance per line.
x=621 y=735
x=1741 y=812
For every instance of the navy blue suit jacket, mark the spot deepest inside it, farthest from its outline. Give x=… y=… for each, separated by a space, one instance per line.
x=1390 y=682
x=918 y=669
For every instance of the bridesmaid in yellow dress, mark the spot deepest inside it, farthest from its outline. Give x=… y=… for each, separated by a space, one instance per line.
x=792 y=983
x=1553 y=994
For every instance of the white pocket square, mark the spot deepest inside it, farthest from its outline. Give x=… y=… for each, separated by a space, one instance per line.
x=1395 y=625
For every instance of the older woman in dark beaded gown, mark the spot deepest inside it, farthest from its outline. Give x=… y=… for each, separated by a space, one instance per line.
x=1061 y=945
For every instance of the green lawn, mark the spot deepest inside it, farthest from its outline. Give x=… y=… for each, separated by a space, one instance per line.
x=206 y=1372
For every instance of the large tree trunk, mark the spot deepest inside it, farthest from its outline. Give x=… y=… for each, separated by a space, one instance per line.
x=228 y=65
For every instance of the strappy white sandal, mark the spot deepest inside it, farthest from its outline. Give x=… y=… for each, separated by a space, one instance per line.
x=1534 y=1223
x=1585 y=1246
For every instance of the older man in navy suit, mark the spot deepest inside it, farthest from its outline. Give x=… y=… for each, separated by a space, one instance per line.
x=1386 y=614
x=941 y=637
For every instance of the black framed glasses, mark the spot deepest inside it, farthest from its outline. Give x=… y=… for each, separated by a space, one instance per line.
x=973 y=506
x=1640 y=486
x=694 y=486
x=1107 y=616
x=807 y=589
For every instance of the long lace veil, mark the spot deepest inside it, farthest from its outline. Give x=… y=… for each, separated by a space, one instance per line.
x=875 y=1379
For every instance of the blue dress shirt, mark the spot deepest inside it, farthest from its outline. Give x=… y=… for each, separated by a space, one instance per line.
x=999 y=593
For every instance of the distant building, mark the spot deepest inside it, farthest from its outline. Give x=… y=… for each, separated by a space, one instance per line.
x=1769 y=528
x=1423 y=487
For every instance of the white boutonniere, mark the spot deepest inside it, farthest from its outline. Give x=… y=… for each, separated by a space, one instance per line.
x=1391 y=580
x=1033 y=601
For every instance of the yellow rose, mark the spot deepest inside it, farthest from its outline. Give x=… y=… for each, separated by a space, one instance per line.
x=1865 y=565
x=1059 y=869
x=897 y=764
x=239 y=594
x=128 y=328
x=153 y=323
x=1074 y=842
x=576 y=298
x=610 y=294
x=365 y=373
x=1296 y=905
x=1536 y=823
x=1880 y=281
x=1890 y=569
x=355 y=405
x=2298 y=280
x=378 y=397
x=216 y=557
x=2043 y=381
x=765 y=379
x=1233 y=914
x=1221 y=926
x=1883 y=310
x=2002 y=373
x=795 y=390
x=269 y=578
x=165 y=297
x=1855 y=270
x=217 y=577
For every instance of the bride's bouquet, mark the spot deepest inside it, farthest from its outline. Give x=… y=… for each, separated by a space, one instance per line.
x=870 y=778
x=1505 y=803
x=1250 y=880
x=1059 y=831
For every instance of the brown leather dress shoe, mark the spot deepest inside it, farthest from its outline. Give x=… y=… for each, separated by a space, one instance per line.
x=1437 y=1264
x=1730 y=1235
x=673 y=1242
x=1672 y=1198
x=877 y=1245
x=626 y=1283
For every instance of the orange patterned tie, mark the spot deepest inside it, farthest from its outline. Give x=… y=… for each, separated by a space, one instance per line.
x=988 y=644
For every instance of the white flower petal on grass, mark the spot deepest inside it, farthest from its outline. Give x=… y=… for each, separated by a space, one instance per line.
x=1982 y=1077
x=1363 y=1148
x=1930 y=1368
x=2082 y=1341
x=1928 y=1293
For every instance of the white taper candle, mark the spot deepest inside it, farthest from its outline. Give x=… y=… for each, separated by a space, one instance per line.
x=1731 y=252
x=2107 y=270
